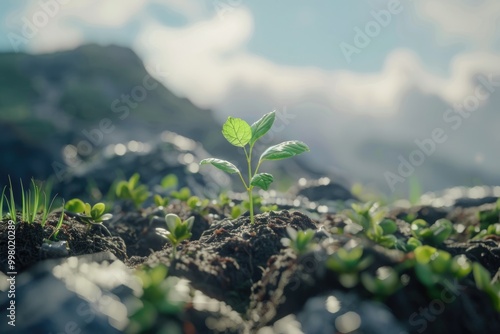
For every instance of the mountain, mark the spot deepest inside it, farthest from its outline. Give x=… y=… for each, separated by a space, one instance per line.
x=87 y=98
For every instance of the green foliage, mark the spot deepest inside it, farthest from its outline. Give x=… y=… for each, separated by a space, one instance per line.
x=161 y=201
x=89 y=214
x=132 y=190
x=370 y=216
x=170 y=181
x=240 y=134
x=163 y=300
x=177 y=230
x=34 y=203
x=484 y=283
x=433 y=266
x=198 y=205
x=348 y=263
x=59 y=223
x=435 y=234
x=182 y=195
x=299 y=241
x=385 y=282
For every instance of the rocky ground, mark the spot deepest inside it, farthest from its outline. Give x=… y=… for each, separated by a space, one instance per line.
x=235 y=277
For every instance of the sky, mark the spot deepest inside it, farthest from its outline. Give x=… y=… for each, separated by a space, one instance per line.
x=361 y=81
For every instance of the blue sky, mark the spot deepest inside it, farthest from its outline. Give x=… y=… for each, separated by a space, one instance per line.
x=244 y=58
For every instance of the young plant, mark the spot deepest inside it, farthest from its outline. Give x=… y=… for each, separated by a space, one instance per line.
x=1 y=203
x=299 y=241
x=385 y=282
x=370 y=217
x=435 y=234
x=132 y=190
x=483 y=282
x=91 y=215
x=177 y=230
x=161 y=201
x=348 y=264
x=240 y=134
x=59 y=223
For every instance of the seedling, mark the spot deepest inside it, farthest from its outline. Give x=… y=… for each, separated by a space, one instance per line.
x=59 y=223
x=484 y=283
x=432 y=266
x=177 y=230
x=348 y=263
x=240 y=134
x=161 y=201
x=182 y=195
x=163 y=300
x=370 y=217
x=197 y=205
x=299 y=241
x=436 y=234
x=132 y=190
x=92 y=215
x=31 y=204
x=385 y=282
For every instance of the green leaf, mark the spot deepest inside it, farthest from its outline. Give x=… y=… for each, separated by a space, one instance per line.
x=97 y=210
x=262 y=180
x=284 y=150
x=75 y=205
x=172 y=221
x=423 y=254
x=170 y=181
x=134 y=179
x=224 y=165
x=481 y=276
x=237 y=131
x=262 y=126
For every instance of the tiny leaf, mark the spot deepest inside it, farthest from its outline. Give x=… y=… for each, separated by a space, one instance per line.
x=75 y=205
x=224 y=165
x=97 y=210
x=262 y=126
x=284 y=150
x=262 y=180
x=237 y=131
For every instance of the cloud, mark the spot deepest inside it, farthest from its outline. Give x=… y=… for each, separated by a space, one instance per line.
x=475 y=23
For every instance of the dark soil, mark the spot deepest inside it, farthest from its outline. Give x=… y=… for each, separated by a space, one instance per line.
x=231 y=255
x=30 y=238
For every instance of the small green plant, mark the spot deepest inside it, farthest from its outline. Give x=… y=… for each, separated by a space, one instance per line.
x=240 y=134
x=435 y=234
x=32 y=206
x=163 y=300
x=433 y=266
x=385 y=282
x=132 y=190
x=198 y=205
x=161 y=201
x=370 y=217
x=348 y=263
x=299 y=241
x=177 y=230
x=59 y=223
x=182 y=194
x=170 y=181
x=483 y=282
x=91 y=215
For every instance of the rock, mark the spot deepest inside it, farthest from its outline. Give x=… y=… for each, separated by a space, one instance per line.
x=84 y=293
x=324 y=189
x=170 y=154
